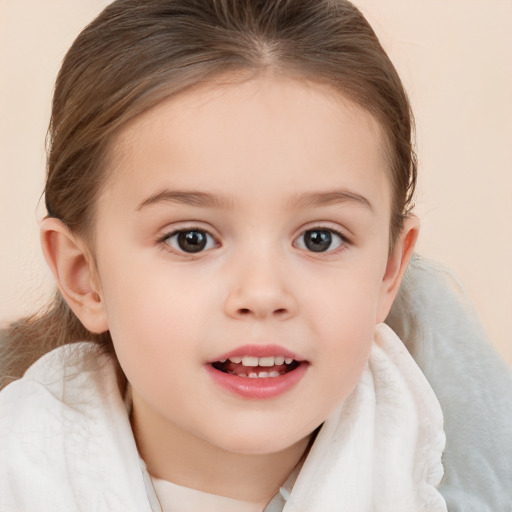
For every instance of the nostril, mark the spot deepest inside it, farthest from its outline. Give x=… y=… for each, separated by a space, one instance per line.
x=280 y=311
x=244 y=311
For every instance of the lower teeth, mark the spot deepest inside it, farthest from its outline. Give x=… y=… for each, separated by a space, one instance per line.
x=261 y=375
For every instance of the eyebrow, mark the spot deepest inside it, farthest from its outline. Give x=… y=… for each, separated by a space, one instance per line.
x=311 y=199
x=201 y=199
x=206 y=200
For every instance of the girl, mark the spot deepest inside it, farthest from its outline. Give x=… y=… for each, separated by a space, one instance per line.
x=229 y=191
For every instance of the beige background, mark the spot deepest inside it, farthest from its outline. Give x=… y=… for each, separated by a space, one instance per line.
x=455 y=58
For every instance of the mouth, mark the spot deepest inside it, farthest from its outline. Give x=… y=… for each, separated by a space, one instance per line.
x=258 y=372
x=253 y=367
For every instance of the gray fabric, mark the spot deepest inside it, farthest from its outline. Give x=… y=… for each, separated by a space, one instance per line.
x=150 y=490
x=471 y=381
x=276 y=504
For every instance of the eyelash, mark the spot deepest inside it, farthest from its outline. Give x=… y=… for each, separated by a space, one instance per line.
x=164 y=241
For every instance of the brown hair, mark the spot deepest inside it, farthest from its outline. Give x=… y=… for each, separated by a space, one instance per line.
x=135 y=54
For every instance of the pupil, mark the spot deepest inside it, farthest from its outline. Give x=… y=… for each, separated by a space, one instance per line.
x=318 y=240
x=192 y=241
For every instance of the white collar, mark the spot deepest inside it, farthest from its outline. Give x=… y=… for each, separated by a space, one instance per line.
x=381 y=449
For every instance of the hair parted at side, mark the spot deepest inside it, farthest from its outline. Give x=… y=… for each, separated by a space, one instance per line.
x=137 y=53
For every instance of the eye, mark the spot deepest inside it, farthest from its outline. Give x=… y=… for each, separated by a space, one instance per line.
x=320 y=240
x=190 y=240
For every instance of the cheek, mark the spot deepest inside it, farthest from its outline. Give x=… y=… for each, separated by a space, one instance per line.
x=151 y=344
x=142 y=312
x=345 y=326
x=347 y=337
x=157 y=318
x=348 y=300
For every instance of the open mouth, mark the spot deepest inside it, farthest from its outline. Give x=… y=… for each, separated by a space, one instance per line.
x=256 y=367
x=256 y=372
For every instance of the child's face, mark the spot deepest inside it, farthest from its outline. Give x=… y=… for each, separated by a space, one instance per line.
x=249 y=219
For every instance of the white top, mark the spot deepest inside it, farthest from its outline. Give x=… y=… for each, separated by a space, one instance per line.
x=176 y=498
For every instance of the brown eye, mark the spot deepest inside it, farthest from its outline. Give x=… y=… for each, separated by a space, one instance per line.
x=319 y=240
x=190 y=240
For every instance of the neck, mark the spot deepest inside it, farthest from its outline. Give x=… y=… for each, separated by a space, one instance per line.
x=178 y=456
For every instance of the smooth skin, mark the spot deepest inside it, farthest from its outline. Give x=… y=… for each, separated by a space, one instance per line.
x=251 y=172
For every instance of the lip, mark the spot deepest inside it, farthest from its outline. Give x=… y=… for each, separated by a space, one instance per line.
x=259 y=388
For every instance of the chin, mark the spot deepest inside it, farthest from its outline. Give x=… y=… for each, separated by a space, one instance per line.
x=260 y=443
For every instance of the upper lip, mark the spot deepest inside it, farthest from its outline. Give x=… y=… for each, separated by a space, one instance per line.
x=258 y=351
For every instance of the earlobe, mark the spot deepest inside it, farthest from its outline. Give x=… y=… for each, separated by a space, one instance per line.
x=73 y=270
x=396 y=266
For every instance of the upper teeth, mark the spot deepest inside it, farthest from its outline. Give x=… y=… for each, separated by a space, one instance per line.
x=261 y=361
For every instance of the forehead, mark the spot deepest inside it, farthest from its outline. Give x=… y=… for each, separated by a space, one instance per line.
x=271 y=127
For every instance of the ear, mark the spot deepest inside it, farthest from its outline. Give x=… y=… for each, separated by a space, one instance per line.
x=396 y=266
x=72 y=267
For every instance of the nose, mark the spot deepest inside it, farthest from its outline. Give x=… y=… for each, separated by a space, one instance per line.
x=260 y=289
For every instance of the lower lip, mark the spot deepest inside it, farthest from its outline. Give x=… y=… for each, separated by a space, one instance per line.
x=259 y=388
